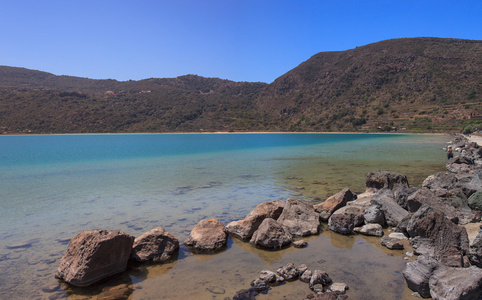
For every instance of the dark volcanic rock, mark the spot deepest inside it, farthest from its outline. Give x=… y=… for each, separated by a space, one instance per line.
x=456 y=283
x=475 y=250
x=94 y=255
x=346 y=219
x=333 y=203
x=385 y=200
x=300 y=218
x=418 y=273
x=272 y=235
x=246 y=294
x=475 y=201
x=432 y=233
x=244 y=229
x=156 y=245
x=207 y=236
x=384 y=179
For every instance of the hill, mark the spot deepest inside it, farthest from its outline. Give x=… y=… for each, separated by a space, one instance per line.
x=415 y=84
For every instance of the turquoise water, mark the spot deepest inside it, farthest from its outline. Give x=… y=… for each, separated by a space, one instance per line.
x=53 y=186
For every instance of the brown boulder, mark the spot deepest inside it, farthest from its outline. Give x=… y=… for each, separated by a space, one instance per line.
x=333 y=203
x=300 y=218
x=156 y=245
x=386 y=180
x=272 y=235
x=94 y=255
x=207 y=236
x=244 y=229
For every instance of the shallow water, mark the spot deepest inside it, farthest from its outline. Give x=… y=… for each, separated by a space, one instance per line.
x=52 y=187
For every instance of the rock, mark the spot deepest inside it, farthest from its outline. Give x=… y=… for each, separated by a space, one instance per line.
x=300 y=218
x=320 y=277
x=460 y=164
x=244 y=229
x=306 y=276
x=417 y=274
x=245 y=294
x=370 y=229
x=207 y=236
x=289 y=272
x=339 y=287
x=435 y=234
x=271 y=235
x=397 y=235
x=475 y=201
x=259 y=285
x=301 y=268
x=345 y=219
x=118 y=292
x=475 y=250
x=156 y=245
x=452 y=257
x=373 y=215
x=441 y=180
x=428 y=197
x=385 y=200
x=401 y=195
x=94 y=255
x=271 y=277
x=326 y=296
x=392 y=243
x=333 y=203
x=456 y=283
x=386 y=180
x=300 y=244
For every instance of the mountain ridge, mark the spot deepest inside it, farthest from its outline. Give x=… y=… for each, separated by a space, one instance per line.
x=409 y=84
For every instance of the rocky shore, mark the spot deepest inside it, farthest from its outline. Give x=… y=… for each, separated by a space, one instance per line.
x=433 y=218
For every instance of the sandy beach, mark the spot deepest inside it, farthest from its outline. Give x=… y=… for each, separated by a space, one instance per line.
x=476 y=138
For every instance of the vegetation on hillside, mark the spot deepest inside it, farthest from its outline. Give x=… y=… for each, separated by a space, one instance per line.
x=408 y=85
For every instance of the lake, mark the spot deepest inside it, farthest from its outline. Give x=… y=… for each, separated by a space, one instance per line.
x=53 y=186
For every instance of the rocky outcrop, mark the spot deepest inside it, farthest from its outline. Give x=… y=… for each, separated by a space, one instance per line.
x=417 y=274
x=456 y=283
x=345 y=219
x=95 y=255
x=244 y=229
x=475 y=250
x=300 y=218
x=433 y=234
x=326 y=209
x=271 y=235
x=385 y=200
x=156 y=245
x=207 y=236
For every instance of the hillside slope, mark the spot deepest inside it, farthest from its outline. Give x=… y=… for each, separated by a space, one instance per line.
x=410 y=85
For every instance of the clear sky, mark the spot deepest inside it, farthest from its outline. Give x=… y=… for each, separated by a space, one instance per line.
x=241 y=40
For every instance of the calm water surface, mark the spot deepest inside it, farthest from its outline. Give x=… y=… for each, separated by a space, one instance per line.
x=52 y=187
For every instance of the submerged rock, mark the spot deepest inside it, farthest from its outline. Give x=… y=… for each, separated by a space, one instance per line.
x=207 y=236
x=156 y=245
x=94 y=255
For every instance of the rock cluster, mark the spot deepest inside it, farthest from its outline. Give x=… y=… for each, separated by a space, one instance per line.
x=319 y=282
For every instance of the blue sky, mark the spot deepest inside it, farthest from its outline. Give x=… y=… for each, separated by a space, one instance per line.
x=240 y=40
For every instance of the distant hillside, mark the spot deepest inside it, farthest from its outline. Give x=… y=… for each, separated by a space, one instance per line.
x=416 y=84
x=421 y=84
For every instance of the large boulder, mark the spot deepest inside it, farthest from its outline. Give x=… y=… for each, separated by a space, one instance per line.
x=386 y=180
x=401 y=195
x=333 y=203
x=394 y=213
x=207 y=236
x=300 y=218
x=428 y=197
x=449 y=283
x=460 y=164
x=95 y=255
x=271 y=235
x=345 y=219
x=475 y=250
x=433 y=234
x=417 y=274
x=244 y=229
x=441 y=180
x=156 y=245
x=373 y=215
